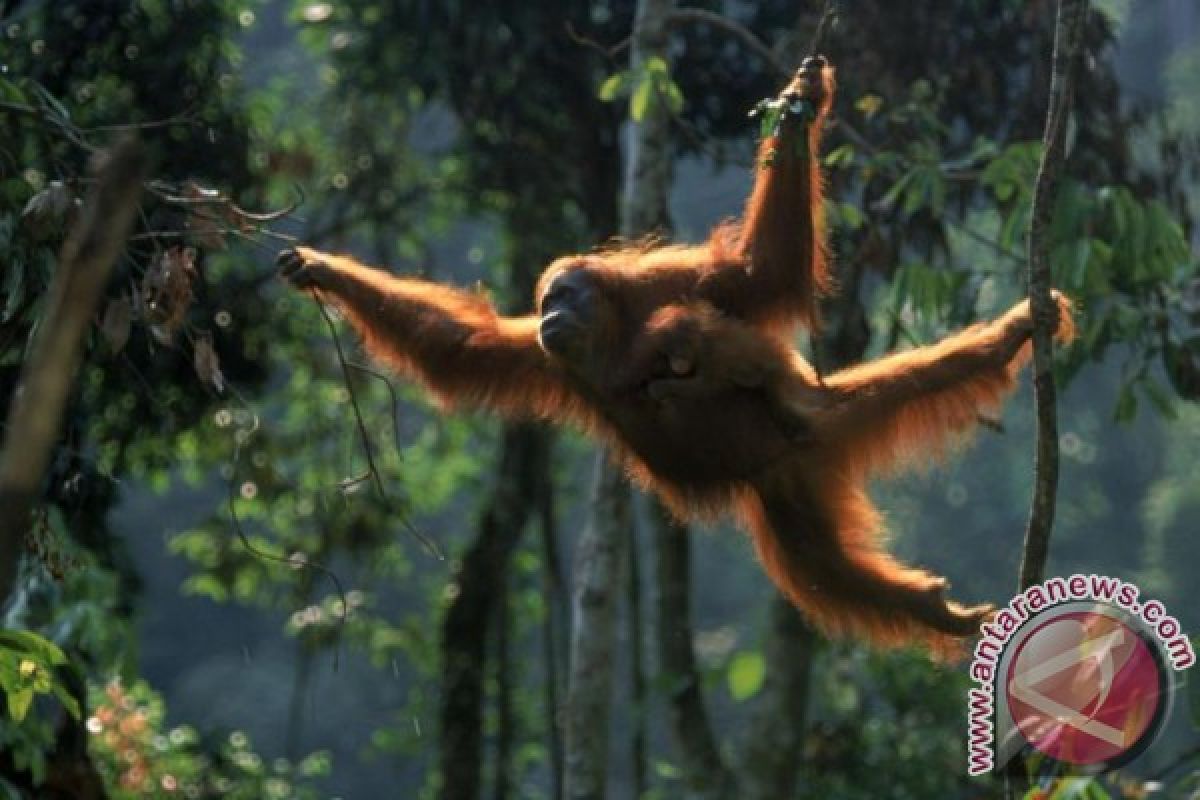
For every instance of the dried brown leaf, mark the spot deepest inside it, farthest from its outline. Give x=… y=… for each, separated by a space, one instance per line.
x=166 y=292
x=116 y=323
x=47 y=211
x=206 y=363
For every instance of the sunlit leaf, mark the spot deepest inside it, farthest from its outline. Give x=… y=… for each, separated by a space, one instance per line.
x=639 y=103
x=745 y=675
x=613 y=86
x=19 y=702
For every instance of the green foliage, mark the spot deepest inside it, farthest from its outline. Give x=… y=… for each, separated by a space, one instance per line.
x=1072 y=789
x=27 y=669
x=928 y=291
x=647 y=84
x=138 y=756
x=884 y=726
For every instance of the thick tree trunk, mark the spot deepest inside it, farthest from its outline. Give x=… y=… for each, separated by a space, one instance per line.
x=602 y=546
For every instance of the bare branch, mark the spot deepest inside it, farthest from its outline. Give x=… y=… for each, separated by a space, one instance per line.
x=734 y=28
x=609 y=53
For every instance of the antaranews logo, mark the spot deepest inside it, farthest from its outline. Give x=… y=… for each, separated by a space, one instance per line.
x=1076 y=668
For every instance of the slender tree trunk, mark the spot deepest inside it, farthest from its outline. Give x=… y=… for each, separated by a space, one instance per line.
x=35 y=414
x=598 y=563
x=554 y=636
x=601 y=548
x=704 y=771
x=505 y=718
x=637 y=675
x=478 y=587
x=773 y=749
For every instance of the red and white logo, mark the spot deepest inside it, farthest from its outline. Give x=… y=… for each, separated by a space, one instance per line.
x=1078 y=669
x=1086 y=689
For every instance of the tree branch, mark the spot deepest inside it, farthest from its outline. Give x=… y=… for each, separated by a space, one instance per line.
x=735 y=29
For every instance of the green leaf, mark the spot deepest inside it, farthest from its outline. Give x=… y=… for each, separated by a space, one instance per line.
x=1126 y=408
x=674 y=97
x=770 y=121
x=1160 y=398
x=613 y=86
x=656 y=66
x=639 y=103
x=868 y=105
x=19 y=702
x=898 y=188
x=206 y=586
x=840 y=156
x=746 y=673
x=41 y=649
x=51 y=101
x=851 y=216
x=68 y=700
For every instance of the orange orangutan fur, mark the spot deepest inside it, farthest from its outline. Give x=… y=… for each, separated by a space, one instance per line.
x=739 y=424
x=814 y=527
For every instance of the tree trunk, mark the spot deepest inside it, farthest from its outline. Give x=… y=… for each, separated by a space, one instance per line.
x=479 y=588
x=637 y=673
x=36 y=412
x=773 y=749
x=704 y=772
x=598 y=564
x=601 y=547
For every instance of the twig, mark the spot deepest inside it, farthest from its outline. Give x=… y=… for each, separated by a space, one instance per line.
x=609 y=53
x=427 y=542
x=182 y=118
x=828 y=15
x=238 y=232
x=740 y=32
x=971 y=233
x=240 y=437
x=358 y=417
x=204 y=197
